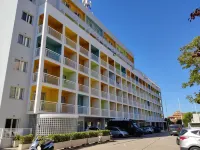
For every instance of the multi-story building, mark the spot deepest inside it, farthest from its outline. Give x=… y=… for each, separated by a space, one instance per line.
x=62 y=70
x=176 y=116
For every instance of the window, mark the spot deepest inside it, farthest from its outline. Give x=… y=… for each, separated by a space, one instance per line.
x=26 y=17
x=17 y=93
x=21 y=65
x=24 y=40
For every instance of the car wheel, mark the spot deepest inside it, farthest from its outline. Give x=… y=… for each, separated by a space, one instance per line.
x=194 y=148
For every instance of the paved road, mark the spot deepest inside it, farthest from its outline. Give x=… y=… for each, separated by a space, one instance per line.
x=160 y=141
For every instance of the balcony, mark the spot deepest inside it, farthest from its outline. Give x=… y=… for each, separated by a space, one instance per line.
x=69 y=84
x=112 y=97
x=119 y=114
x=126 y=115
x=84 y=51
x=70 y=63
x=50 y=79
x=119 y=99
x=112 y=113
x=39 y=29
x=118 y=71
x=104 y=78
x=129 y=90
x=104 y=94
x=52 y=55
x=111 y=68
x=54 y=33
x=83 y=69
x=95 y=92
x=124 y=75
x=94 y=74
x=124 y=87
x=94 y=57
x=104 y=112
x=34 y=77
x=83 y=110
x=111 y=81
x=131 y=115
x=37 y=52
x=83 y=88
x=125 y=100
x=95 y=111
x=31 y=106
x=103 y=63
x=70 y=43
x=131 y=102
x=118 y=85
x=47 y=106
x=67 y=108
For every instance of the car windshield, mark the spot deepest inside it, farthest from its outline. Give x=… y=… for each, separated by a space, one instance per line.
x=135 y=125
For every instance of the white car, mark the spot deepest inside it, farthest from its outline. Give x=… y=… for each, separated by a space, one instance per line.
x=117 y=132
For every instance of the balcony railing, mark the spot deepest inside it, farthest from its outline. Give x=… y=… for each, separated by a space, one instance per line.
x=111 y=81
x=31 y=105
x=131 y=102
x=70 y=43
x=67 y=108
x=83 y=88
x=47 y=106
x=112 y=97
x=119 y=114
x=70 y=63
x=129 y=90
x=94 y=57
x=95 y=74
x=104 y=94
x=104 y=78
x=112 y=113
x=39 y=29
x=103 y=63
x=37 y=52
x=35 y=77
x=124 y=87
x=124 y=75
x=104 y=112
x=118 y=71
x=83 y=110
x=129 y=78
x=118 y=85
x=84 y=51
x=95 y=92
x=119 y=99
x=69 y=84
x=131 y=116
x=83 y=69
x=47 y=78
x=126 y=115
x=111 y=68
x=125 y=100
x=95 y=111
x=54 y=33
x=52 y=55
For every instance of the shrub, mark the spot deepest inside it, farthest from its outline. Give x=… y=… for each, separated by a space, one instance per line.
x=104 y=132
x=16 y=138
x=59 y=137
x=79 y=135
x=27 y=139
x=93 y=134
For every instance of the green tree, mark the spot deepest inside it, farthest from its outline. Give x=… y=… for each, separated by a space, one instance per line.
x=188 y=61
x=168 y=121
x=179 y=121
x=187 y=117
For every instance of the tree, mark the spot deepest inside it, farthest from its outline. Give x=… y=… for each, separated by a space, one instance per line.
x=187 y=117
x=168 y=121
x=188 y=61
x=179 y=121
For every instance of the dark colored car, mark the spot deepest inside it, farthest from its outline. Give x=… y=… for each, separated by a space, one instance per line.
x=156 y=129
x=128 y=125
x=175 y=129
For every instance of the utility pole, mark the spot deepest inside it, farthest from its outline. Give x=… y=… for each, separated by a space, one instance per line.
x=166 y=114
x=180 y=111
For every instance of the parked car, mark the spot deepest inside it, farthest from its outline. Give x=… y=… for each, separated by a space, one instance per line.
x=148 y=130
x=128 y=125
x=190 y=139
x=175 y=129
x=117 y=132
x=183 y=131
x=92 y=129
x=144 y=130
x=156 y=129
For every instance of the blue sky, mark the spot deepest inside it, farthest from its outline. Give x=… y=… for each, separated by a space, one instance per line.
x=154 y=31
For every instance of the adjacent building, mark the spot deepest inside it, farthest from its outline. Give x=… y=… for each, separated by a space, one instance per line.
x=176 y=116
x=62 y=71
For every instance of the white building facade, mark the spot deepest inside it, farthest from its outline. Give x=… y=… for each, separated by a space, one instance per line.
x=60 y=74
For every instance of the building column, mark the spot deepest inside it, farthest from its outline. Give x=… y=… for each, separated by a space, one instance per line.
x=41 y=61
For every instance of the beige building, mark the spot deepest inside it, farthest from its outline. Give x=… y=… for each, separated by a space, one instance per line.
x=176 y=116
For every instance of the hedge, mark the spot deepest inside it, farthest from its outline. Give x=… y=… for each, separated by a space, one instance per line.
x=17 y=138
x=27 y=139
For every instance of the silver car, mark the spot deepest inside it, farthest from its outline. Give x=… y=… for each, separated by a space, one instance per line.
x=190 y=139
x=117 y=132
